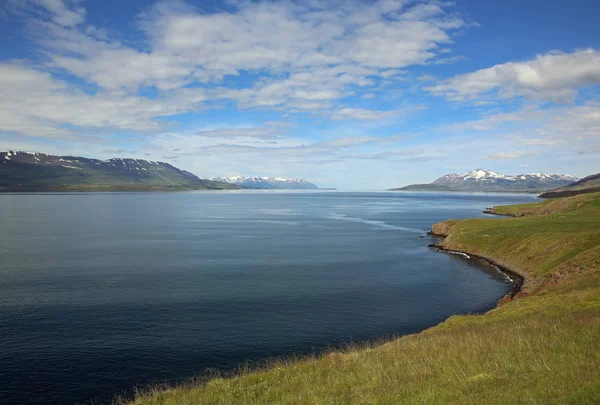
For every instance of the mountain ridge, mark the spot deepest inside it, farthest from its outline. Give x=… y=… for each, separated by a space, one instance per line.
x=589 y=184
x=258 y=182
x=34 y=171
x=490 y=181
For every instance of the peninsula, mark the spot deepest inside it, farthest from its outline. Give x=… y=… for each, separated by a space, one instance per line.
x=539 y=345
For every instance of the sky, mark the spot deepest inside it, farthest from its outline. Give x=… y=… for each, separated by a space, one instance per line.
x=360 y=95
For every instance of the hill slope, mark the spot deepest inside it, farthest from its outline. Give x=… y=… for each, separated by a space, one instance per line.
x=542 y=348
x=590 y=184
x=486 y=180
x=26 y=171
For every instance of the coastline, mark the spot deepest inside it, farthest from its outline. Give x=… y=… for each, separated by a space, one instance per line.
x=279 y=363
x=517 y=279
x=492 y=211
x=542 y=347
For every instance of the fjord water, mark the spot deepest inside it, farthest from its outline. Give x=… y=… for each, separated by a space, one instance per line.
x=100 y=292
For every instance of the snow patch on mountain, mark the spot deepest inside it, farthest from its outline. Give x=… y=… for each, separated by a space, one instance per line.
x=261 y=182
x=94 y=172
x=481 y=175
x=487 y=180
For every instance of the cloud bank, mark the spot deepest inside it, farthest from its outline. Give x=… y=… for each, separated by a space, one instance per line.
x=361 y=89
x=554 y=77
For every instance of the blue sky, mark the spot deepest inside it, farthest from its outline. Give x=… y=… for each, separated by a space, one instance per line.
x=348 y=94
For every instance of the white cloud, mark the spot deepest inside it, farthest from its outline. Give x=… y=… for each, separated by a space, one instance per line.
x=350 y=141
x=399 y=155
x=540 y=141
x=115 y=69
x=227 y=141
x=66 y=13
x=294 y=56
x=362 y=114
x=449 y=61
x=579 y=122
x=551 y=77
x=36 y=104
x=529 y=115
x=542 y=126
x=511 y=155
x=290 y=60
x=386 y=74
x=266 y=132
x=566 y=138
x=188 y=45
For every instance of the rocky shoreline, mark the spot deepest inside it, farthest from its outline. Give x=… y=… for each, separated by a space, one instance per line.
x=516 y=279
x=492 y=211
x=443 y=229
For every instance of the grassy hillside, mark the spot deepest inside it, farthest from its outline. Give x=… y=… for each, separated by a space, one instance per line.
x=547 y=240
x=543 y=348
x=590 y=184
x=546 y=207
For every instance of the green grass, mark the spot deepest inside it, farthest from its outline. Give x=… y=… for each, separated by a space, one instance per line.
x=548 y=207
x=540 y=349
x=547 y=240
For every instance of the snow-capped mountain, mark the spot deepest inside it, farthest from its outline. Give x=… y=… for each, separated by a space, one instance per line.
x=487 y=180
x=28 y=170
x=266 y=182
x=480 y=176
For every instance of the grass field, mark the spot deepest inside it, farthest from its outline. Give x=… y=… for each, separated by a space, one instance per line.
x=543 y=348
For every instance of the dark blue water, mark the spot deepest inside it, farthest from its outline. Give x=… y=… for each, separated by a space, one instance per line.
x=103 y=291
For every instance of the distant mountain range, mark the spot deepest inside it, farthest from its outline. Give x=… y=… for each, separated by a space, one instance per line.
x=589 y=184
x=27 y=171
x=267 y=182
x=486 y=180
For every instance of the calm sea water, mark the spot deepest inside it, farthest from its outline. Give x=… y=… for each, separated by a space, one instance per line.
x=103 y=291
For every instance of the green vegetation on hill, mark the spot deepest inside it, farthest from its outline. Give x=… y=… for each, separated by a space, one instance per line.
x=590 y=184
x=547 y=241
x=542 y=348
x=546 y=207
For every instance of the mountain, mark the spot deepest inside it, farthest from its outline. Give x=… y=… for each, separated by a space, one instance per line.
x=27 y=171
x=267 y=182
x=486 y=180
x=589 y=184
